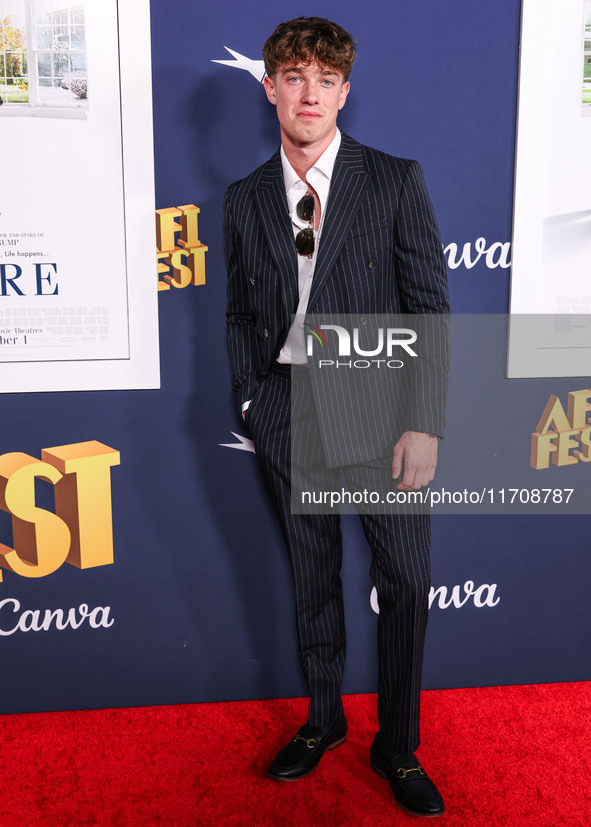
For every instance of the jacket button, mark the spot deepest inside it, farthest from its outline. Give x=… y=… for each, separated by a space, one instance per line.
x=372 y=264
x=252 y=281
x=266 y=333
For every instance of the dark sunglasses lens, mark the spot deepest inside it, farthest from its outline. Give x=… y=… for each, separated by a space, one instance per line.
x=305 y=242
x=305 y=208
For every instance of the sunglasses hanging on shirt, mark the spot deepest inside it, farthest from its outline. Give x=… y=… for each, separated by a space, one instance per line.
x=304 y=240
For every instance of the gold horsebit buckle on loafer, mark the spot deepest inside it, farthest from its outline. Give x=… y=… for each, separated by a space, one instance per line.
x=309 y=742
x=402 y=773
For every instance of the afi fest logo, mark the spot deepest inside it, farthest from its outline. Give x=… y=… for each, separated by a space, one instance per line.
x=566 y=437
x=80 y=532
x=180 y=255
x=392 y=337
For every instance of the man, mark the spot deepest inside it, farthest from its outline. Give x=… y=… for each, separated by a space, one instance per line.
x=328 y=226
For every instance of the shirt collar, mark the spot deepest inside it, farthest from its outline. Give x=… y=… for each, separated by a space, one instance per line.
x=324 y=164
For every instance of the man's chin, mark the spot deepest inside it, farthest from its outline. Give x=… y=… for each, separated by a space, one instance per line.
x=309 y=133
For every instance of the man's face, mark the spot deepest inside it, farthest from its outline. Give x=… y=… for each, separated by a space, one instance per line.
x=308 y=98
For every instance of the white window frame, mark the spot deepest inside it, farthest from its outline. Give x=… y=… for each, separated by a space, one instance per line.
x=586 y=52
x=36 y=107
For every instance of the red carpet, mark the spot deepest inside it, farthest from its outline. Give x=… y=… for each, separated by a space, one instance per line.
x=514 y=755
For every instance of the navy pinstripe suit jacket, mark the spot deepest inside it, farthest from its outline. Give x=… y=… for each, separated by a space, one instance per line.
x=380 y=253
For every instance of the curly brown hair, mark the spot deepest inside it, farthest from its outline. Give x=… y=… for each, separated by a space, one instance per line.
x=306 y=39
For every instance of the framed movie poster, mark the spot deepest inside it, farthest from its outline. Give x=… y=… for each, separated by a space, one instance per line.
x=550 y=281
x=77 y=269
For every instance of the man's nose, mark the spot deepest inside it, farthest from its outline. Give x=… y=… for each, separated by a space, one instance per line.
x=309 y=93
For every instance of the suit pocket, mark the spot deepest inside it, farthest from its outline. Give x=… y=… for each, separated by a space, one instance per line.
x=250 y=412
x=368 y=228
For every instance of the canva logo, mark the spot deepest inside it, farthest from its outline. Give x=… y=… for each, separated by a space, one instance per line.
x=496 y=254
x=385 y=344
x=456 y=596
x=180 y=255
x=80 y=532
x=566 y=437
x=42 y=620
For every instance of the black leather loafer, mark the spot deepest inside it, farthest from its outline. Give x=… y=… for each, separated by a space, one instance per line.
x=304 y=751
x=413 y=789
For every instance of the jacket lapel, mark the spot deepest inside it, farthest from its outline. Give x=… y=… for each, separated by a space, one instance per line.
x=272 y=206
x=349 y=181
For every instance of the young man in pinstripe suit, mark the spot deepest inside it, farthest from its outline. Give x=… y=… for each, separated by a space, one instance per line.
x=328 y=226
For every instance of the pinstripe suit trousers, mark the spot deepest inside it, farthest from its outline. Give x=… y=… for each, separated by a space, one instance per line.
x=400 y=569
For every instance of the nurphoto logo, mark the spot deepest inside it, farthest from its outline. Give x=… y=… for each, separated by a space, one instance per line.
x=387 y=342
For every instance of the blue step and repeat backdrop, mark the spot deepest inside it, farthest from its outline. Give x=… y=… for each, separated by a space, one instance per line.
x=192 y=600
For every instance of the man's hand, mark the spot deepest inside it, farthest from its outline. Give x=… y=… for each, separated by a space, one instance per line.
x=418 y=452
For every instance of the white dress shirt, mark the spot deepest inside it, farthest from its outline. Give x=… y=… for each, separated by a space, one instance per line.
x=318 y=178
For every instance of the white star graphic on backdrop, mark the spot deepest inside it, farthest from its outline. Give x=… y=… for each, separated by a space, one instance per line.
x=255 y=67
x=243 y=443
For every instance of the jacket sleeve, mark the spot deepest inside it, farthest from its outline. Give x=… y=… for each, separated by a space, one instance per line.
x=240 y=318
x=422 y=279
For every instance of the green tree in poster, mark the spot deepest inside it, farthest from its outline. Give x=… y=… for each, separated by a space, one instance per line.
x=14 y=37
x=13 y=63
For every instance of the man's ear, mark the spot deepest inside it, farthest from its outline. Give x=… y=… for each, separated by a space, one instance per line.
x=269 y=84
x=343 y=94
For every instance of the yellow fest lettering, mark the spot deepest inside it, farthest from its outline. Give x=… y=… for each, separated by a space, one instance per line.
x=180 y=261
x=81 y=531
x=564 y=437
